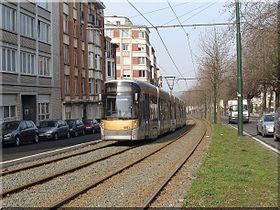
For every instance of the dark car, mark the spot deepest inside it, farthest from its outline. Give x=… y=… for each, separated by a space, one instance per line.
x=91 y=126
x=76 y=127
x=53 y=129
x=18 y=132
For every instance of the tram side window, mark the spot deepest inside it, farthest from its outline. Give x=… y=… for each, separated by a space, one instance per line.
x=145 y=109
x=153 y=108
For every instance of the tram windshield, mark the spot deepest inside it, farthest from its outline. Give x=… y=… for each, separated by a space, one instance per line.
x=120 y=106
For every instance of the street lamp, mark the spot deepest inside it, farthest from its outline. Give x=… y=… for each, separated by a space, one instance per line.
x=170 y=82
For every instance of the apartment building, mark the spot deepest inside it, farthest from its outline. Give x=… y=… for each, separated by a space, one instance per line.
x=82 y=67
x=135 y=54
x=29 y=60
x=110 y=59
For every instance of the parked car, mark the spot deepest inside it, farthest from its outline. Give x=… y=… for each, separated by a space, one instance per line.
x=53 y=129
x=277 y=125
x=265 y=125
x=18 y=132
x=91 y=126
x=76 y=127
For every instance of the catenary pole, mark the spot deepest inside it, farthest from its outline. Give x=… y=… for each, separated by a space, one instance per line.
x=239 y=70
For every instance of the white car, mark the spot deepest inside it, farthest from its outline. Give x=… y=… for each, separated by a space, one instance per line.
x=265 y=125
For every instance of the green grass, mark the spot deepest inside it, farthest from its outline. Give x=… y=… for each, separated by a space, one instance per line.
x=236 y=172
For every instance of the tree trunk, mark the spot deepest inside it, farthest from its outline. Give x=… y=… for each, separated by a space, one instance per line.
x=270 y=101
x=277 y=102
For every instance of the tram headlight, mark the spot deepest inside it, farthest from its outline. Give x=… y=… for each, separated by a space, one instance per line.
x=135 y=124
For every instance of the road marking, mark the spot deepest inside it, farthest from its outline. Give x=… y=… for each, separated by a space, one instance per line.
x=258 y=140
x=46 y=154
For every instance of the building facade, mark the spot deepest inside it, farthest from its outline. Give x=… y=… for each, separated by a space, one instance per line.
x=82 y=67
x=134 y=55
x=29 y=60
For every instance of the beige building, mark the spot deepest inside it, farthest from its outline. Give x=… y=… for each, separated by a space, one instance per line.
x=29 y=61
x=135 y=57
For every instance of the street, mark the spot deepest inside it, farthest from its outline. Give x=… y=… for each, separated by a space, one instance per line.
x=250 y=128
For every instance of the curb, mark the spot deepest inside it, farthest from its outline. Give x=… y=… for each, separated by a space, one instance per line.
x=45 y=154
x=259 y=141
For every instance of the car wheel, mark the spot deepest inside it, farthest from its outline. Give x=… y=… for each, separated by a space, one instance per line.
x=76 y=133
x=36 y=140
x=263 y=133
x=275 y=137
x=68 y=135
x=18 y=142
x=55 y=137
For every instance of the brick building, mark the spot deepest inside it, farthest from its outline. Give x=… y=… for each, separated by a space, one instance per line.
x=82 y=55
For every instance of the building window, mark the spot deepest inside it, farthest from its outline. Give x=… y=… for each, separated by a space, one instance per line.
x=43 y=3
x=8 y=18
x=108 y=32
x=109 y=73
x=66 y=85
x=75 y=57
x=113 y=69
x=125 y=47
x=7 y=112
x=141 y=47
x=43 y=111
x=43 y=31
x=27 y=25
x=90 y=86
x=125 y=33
x=126 y=73
x=66 y=54
x=7 y=59
x=44 y=66
x=65 y=23
x=142 y=73
x=141 y=60
x=141 y=34
x=97 y=62
x=118 y=22
x=76 y=85
x=83 y=86
x=96 y=38
x=90 y=60
x=90 y=36
x=27 y=63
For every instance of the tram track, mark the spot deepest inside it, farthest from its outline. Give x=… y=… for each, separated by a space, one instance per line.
x=151 y=196
x=10 y=193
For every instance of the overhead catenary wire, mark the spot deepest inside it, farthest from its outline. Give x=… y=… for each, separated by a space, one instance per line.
x=160 y=9
x=187 y=35
x=189 y=12
x=165 y=47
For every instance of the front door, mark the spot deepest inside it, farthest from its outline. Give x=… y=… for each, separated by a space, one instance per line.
x=29 y=107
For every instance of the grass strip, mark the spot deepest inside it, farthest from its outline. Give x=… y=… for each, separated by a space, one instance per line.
x=236 y=172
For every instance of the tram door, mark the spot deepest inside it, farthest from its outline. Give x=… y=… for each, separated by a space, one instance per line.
x=146 y=114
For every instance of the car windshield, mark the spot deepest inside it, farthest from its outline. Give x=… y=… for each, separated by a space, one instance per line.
x=9 y=125
x=45 y=124
x=268 y=118
x=70 y=122
x=120 y=106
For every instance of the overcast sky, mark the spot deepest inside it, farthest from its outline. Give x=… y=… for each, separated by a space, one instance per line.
x=189 y=12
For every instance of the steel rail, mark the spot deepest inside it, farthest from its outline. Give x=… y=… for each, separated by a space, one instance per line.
x=178 y=166
x=118 y=171
x=54 y=160
x=45 y=179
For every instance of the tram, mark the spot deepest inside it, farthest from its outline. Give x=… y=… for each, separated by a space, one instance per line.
x=137 y=110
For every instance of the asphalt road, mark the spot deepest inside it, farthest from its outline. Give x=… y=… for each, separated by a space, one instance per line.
x=251 y=129
x=14 y=152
